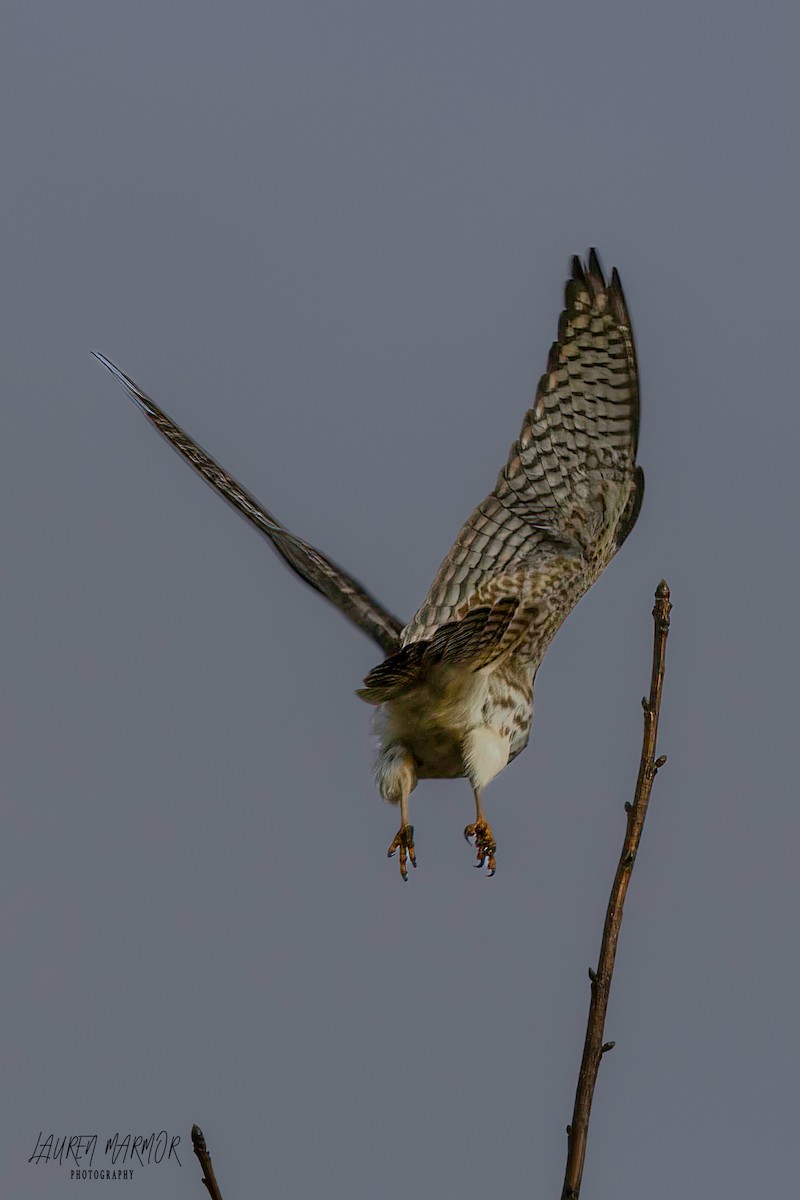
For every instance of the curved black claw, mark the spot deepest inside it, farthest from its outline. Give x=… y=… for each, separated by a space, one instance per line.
x=485 y=844
x=404 y=842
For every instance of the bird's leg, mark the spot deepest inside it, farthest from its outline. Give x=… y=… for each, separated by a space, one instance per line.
x=404 y=840
x=396 y=774
x=481 y=830
x=485 y=753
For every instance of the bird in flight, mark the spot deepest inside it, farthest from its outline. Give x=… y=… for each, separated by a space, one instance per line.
x=454 y=693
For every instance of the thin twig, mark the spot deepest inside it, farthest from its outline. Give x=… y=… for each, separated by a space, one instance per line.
x=204 y=1158
x=594 y=1047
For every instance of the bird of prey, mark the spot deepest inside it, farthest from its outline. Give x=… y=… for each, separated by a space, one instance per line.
x=454 y=694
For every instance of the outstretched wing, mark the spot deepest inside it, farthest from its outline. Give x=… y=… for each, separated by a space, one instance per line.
x=563 y=504
x=310 y=564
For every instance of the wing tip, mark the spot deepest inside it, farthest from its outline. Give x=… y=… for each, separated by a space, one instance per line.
x=135 y=394
x=585 y=276
x=617 y=299
x=595 y=270
x=590 y=274
x=577 y=273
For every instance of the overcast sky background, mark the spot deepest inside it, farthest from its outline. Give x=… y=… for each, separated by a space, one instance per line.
x=331 y=240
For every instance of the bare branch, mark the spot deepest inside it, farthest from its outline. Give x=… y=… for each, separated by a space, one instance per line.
x=594 y=1048
x=204 y=1158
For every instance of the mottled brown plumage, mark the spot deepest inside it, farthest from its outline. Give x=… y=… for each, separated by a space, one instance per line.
x=457 y=697
x=454 y=697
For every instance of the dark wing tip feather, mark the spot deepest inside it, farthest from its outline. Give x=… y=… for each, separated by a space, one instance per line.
x=588 y=275
x=617 y=299
x=135 y=393
x=619 y=308
x=595 y=272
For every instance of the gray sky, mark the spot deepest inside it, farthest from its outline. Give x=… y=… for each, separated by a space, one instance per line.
x=331 y=240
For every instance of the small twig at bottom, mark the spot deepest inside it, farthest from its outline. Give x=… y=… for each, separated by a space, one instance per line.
x=204 y=1158
x=594 y=1047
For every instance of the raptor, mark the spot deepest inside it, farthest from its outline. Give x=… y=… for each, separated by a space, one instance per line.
x=454 y=694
